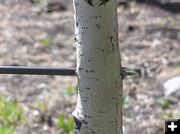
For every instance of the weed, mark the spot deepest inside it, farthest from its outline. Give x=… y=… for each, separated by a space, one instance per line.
x=166 y=116
x=69 y=91
x=36 y=2
x=67 y=125
x=46 y=42
x=164 y=103
x=11 y=115
x=126 y=101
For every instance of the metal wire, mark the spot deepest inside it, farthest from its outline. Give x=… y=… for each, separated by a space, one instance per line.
x=37 y=70
x=24 y=70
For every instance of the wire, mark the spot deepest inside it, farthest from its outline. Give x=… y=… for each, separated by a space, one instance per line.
x=37 y=70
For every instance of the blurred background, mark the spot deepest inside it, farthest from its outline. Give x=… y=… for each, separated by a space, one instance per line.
x=41 y=33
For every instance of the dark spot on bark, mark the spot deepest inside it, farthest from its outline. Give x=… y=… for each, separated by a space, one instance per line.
x=99 y=130
x=93 y=132
x=80 y=68
x=90 y=2
x=96 y=17
x=79 y=43
x=75 y=39
x=86 y=97
x=111 y=38
x=82 y=91
x=88 y=88
x=89 y=60
x=77 y=124
x=113 y=98
x=91 y=71
x=103 y=2
x=85 y=122
x=84 y=27
x=98 y=26
x=84 y=100
x=77 y=24
x=97 y=79
x=102 y=50
x=76 y=3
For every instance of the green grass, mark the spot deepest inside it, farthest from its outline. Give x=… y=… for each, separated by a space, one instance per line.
x=36 y=2
x=166 y=116
x=11 y=115
x=164 y=103
x=178 y=66
x=126 y=101
x=46 y=42
x=66 y=124
x=69 y=91
x=132 y=4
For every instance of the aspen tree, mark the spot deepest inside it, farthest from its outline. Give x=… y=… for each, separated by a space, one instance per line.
x=99 y=106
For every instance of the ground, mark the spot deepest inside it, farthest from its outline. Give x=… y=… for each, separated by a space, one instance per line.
x=148 y=38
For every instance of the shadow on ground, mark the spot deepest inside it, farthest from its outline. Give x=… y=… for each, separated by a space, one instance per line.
x=170 y=5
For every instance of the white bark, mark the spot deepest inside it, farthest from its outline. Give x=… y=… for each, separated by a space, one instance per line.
x=98 y=109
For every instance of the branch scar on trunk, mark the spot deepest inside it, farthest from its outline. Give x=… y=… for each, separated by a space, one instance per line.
x=102 y=2
x=90 y=2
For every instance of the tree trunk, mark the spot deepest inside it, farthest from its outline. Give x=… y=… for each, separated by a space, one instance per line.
x=99 y=106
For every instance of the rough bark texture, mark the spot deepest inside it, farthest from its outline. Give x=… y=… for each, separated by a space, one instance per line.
x=98 y=109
